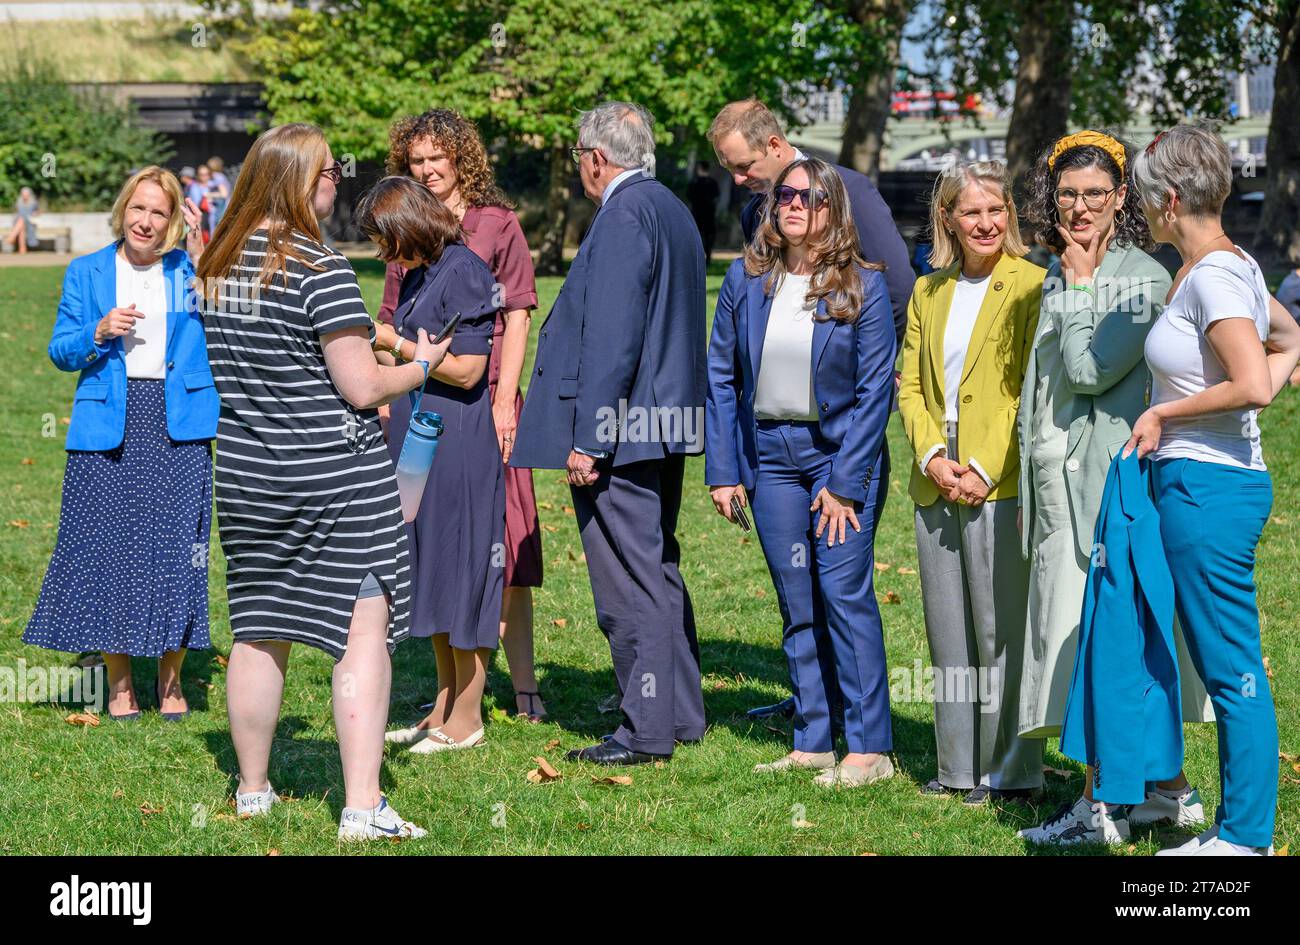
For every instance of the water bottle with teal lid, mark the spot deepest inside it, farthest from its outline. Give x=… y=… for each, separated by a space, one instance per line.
x=416 y=458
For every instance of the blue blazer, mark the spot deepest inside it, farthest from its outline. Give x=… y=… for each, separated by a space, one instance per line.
x=99 y=405
x=1124 y=712
x=620 y=365
x=853 y=382
x=877 y=234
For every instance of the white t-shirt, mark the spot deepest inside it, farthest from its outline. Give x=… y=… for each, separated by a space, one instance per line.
x=1182 y=363
x=145 y=345
x=967 y=298
x=784 y=389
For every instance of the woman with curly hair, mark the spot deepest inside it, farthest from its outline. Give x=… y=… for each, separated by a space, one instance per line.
x=442 y=150
x=1085 y=384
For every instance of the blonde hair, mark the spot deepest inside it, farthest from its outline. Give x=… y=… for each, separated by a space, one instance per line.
x=277 y=183
x=170 y=186
x=751 y=118
x=945 y=248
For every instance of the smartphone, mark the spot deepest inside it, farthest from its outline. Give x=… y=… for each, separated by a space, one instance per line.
x=447 y=329
x=738 y=511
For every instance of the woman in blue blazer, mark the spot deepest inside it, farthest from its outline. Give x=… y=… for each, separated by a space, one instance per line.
x=800 y=380
x=129 y=574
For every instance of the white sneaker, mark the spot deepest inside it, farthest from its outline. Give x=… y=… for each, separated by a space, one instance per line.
x=436 y=739
x=255 y=803
x=1159 y=808
x=1085 y=822
x=381 y=823
x=1210 y=843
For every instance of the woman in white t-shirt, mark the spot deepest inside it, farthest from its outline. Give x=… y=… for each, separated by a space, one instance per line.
x=1221 y=349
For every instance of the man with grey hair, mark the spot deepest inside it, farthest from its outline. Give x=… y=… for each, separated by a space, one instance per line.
x=617 y=400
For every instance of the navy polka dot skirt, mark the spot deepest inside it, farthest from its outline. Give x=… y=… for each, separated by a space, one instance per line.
x=130 y=567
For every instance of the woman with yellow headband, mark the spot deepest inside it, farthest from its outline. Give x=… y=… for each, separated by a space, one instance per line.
x=1085 y=385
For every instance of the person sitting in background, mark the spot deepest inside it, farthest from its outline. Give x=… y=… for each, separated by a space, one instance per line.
x=129 y=575
x=23 y=233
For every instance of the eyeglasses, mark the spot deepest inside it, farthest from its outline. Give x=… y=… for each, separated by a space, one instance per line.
x=1094 y=198
x=577 y=153
x=334 y=172
x=809 y=197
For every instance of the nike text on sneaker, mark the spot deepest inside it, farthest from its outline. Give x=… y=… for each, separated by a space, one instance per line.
x=380 y=823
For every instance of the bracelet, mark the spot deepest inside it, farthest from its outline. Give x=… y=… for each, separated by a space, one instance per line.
x=396 y=349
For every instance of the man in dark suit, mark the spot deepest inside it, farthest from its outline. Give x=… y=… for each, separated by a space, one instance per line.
x=750 y=144
x=617 y=399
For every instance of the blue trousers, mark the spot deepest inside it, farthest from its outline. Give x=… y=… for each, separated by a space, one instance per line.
x=832 y=634
x=1211 y=517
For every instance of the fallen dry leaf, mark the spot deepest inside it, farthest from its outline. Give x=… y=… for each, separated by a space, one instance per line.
x=118 y=794
x=544 y=773
x=1268 y=670
x=20 y=523
x=548 y=506
x=582 y=826
x=1285 y=757
x=1284 y=850
x=28 y=461
x=83 y=718
x=222 y=661
x=891 y=597
x=560 y=622
x=1059 y=772
x=549 y=527
x=273 y=852
x=906 y=570
x=553 y=744
x=882 y=567
x=868 y=854
x=622 y=779
x=568 y=510
x=148 y=809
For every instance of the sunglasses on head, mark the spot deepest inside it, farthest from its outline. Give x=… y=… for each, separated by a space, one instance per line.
x=810 y=197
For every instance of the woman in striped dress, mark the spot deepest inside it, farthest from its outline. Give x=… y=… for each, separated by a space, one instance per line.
x=307 y=501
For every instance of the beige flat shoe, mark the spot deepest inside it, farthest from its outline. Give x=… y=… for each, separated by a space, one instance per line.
x=819 y=760
x=843 y=775
x=406 y=736
x=437 y=740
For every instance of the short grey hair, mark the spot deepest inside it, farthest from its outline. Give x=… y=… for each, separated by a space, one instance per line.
x=623 y=131
x=1193 y=162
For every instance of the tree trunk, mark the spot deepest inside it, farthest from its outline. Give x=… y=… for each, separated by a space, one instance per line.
x=550 y=254
x=1040 y=111
x=872 y=92
x=1278 y=239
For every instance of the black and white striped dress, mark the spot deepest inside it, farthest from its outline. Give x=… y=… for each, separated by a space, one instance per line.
x=306 y=493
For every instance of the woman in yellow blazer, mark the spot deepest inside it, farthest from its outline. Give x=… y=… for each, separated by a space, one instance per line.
x=969 y=332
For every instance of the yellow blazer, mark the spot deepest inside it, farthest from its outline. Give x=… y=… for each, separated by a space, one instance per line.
x=991 y=379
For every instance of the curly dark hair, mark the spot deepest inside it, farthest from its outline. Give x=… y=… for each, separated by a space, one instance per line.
x=1041 y=213
x=456 y=135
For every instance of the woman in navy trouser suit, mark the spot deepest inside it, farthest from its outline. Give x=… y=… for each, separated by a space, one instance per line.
x=800 y=380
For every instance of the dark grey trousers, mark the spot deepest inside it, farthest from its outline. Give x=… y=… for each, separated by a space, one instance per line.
x=628 y=521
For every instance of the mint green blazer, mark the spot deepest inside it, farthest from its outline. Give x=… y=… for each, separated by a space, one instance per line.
x=1102 y=336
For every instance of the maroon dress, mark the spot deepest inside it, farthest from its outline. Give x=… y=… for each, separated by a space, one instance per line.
x=494 y=234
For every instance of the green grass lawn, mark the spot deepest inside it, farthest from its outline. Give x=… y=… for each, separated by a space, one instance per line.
x=158 y=788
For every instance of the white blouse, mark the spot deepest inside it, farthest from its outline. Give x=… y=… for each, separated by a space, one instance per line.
x=784 y=389
x=145 y=345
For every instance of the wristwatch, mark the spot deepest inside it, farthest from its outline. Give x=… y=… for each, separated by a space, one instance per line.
x=396 y=350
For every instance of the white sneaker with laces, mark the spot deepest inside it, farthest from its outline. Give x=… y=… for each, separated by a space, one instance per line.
x=379 y=823
x=1085 y=822
x=1160 y=808
x=255 y=803
x=1210 y=843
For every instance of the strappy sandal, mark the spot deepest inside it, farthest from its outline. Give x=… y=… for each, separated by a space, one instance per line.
x=532 y=715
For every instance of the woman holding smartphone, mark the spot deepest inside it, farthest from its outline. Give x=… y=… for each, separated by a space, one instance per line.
x=800 y=380
x=457 y=538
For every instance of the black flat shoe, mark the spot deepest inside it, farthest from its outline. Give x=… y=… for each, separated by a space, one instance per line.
x=937 y=788
x=610 y=752
x=129 y=717
x=978 y=795
x=783 y=708
x=168 y=716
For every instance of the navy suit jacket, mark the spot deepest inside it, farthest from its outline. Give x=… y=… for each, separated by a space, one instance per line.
x=853 y=382
x=877 y=234
x=99 y=405
x=620 y=365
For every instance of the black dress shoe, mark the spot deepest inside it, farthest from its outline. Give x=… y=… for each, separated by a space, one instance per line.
x=610 y=752
x=784 y=708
